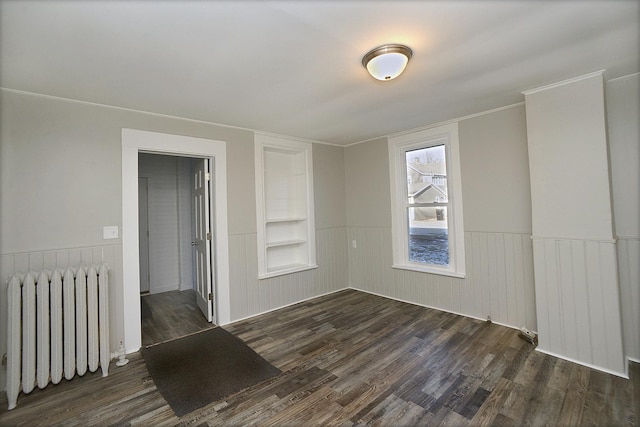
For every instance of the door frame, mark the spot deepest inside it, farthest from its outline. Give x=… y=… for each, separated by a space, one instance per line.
x=137 y=141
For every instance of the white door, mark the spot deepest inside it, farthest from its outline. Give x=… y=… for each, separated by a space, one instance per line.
x=202 y=242
x=143 y=233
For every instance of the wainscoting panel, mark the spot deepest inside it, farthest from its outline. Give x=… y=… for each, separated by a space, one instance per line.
x=250 y=296
x=629 y=274
x=577 y=302
x=60 y=258
x=498 y=283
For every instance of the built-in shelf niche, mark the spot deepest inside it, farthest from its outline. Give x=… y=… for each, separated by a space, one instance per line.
x=284 y=201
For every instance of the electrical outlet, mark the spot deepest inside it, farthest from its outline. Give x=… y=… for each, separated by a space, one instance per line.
x=354 y=244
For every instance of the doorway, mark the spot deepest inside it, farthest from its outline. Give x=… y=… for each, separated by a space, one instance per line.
x=133 y=143
x=176 y=260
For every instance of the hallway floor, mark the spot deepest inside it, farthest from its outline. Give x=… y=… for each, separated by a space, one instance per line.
x=170 y=315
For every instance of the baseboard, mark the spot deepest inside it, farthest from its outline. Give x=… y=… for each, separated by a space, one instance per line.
x=161 y=289
x=588 y=365
x=436 y=308
x=281 y=307
x=632 y=359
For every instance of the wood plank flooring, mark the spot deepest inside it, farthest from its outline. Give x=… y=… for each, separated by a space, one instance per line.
x=170 y=315
x=351 y=358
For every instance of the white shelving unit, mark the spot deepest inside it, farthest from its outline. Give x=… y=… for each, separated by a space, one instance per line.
x=284 y=200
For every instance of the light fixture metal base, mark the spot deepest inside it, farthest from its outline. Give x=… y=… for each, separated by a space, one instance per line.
x=387 y=62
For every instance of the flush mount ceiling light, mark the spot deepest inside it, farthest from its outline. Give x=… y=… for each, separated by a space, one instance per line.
x=387 y=62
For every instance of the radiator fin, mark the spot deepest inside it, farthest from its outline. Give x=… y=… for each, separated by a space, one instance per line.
x=92 y=318
x=28 y=334
x=14 y=297
x=69 y=333
x=57 y=341
x=103 y=321
x=81 y=321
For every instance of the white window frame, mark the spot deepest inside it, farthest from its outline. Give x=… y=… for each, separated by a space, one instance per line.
x=398 y=147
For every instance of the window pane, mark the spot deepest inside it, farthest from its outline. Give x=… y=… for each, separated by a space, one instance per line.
x=427 y=175
x=428 y=235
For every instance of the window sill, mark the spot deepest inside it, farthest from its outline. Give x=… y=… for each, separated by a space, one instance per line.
x=430 y=270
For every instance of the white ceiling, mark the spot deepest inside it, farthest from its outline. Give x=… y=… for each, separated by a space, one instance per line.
x=294 y=67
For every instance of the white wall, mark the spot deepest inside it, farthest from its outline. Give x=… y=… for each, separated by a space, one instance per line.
x=185 y=223
x=60 y=183
x=495 y=172
x=575 y=259
x=570 y=185
x=496 y=194
x=169 y=215
x=252 y=296
x=623 y=110
x=58 y=141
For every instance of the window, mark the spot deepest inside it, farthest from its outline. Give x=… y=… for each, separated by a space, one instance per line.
x=426 y=195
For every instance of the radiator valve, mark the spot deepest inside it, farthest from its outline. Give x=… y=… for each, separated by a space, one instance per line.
x=528 y=335
x=121 y=355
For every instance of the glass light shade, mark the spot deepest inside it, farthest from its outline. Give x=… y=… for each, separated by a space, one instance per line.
x=387 y=62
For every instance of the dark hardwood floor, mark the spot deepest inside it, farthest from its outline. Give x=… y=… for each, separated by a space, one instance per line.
x=170 y=315
x=351 y=358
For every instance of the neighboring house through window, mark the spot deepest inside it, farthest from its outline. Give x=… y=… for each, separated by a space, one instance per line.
x=426 y=198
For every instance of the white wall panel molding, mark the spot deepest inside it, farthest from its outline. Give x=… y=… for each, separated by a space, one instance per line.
x=251 y=296
x=575 y=257
x=578 y=315
x=499 y=280
x=582 y=239
x=623 y=109
x=629 y=276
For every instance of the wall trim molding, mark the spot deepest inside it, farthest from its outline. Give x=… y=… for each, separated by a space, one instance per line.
x=563 y=82
x=576 y=239
x=69 y=248
x=166 y=116
x=285 y=306
x=622 y=78
x=434 y=308
x=441 y=123
x=523 y=233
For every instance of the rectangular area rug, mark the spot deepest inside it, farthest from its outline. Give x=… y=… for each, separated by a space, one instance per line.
x=198 y=369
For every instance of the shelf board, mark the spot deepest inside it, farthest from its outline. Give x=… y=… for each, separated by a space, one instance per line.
x=284 y=243
x=293 y=219
x=286 y=269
